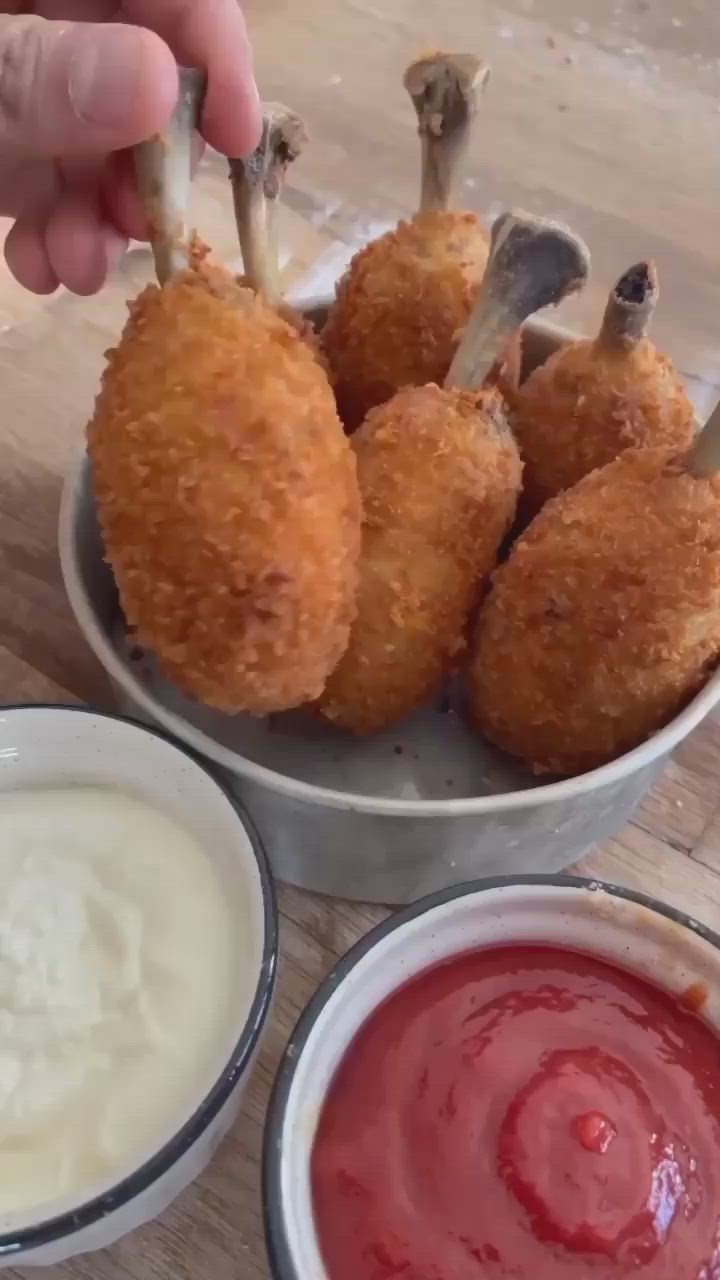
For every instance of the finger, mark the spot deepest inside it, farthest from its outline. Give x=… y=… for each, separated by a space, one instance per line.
x=212 y=34
x=116 y=246
x=72 y=10
x=80 y=88
x=76 y=244
x=81 y=171
x=120 y=198
x=27 y=257
x=26 y=184
x=121 y=201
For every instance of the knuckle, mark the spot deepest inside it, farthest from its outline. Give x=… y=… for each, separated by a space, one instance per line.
x=21 y=48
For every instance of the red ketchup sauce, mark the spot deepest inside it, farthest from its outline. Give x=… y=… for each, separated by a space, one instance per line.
x=523 y=1112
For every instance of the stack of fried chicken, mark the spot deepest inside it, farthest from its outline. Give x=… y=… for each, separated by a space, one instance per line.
x=302 y=519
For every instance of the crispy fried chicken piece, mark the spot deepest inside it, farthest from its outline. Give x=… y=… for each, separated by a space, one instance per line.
x=225 y=486
x=439 y=475
x=404 y=302
x=594 y=398
x=605 y=620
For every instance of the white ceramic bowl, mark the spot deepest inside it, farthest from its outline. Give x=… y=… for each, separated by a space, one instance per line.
x=66 y=746
x=627 y=929
x=388 y=818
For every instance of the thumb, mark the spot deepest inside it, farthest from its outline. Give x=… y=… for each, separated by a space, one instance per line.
x=78 y=88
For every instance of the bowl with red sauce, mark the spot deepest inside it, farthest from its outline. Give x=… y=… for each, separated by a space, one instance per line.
x=516 y=1079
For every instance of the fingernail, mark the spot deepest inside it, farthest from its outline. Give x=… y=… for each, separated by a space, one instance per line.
x=256 y=109
x=104 y=74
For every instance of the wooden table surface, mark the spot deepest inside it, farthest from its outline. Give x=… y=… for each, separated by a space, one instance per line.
x=607 y=116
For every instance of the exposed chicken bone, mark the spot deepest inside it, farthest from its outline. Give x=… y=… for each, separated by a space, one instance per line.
x=630 y=307
x=163 y=168
x=533 y=263
x=257 y=183
x=445 y=89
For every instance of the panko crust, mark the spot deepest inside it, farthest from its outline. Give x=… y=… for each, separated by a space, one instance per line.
x=297 y=320
x=587 y=404
x=227 y=495
x=605 y=620
x=439 y=476
x=401 y=308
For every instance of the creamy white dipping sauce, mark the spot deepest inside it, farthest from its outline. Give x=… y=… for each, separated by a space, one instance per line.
x=122 y=990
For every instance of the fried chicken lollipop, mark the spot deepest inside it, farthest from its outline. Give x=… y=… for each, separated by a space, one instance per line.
x=225 y=485
x=594 y=398
x=439 y=475
x=406 y=297
x=605 y=620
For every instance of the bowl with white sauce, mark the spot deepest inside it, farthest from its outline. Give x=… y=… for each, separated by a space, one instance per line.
x=138 y=947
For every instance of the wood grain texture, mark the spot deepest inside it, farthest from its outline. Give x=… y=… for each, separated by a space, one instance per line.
x=606 y=116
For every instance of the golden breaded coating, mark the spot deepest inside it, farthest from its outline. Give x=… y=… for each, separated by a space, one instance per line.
x=605 y=620
x=587 y=404
x=439 y=476
x=227 y=495
x=298 y=321
x=401 y=308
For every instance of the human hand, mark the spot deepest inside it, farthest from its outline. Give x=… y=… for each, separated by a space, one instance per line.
x=81 y=81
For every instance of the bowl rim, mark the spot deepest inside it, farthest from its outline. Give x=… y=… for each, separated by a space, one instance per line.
x=14 y=1244
x=567 y=789
x=282 y=1266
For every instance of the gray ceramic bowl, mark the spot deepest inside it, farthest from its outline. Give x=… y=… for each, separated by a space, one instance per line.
x=630 y=930
x=46 y=746
x=411 y=811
